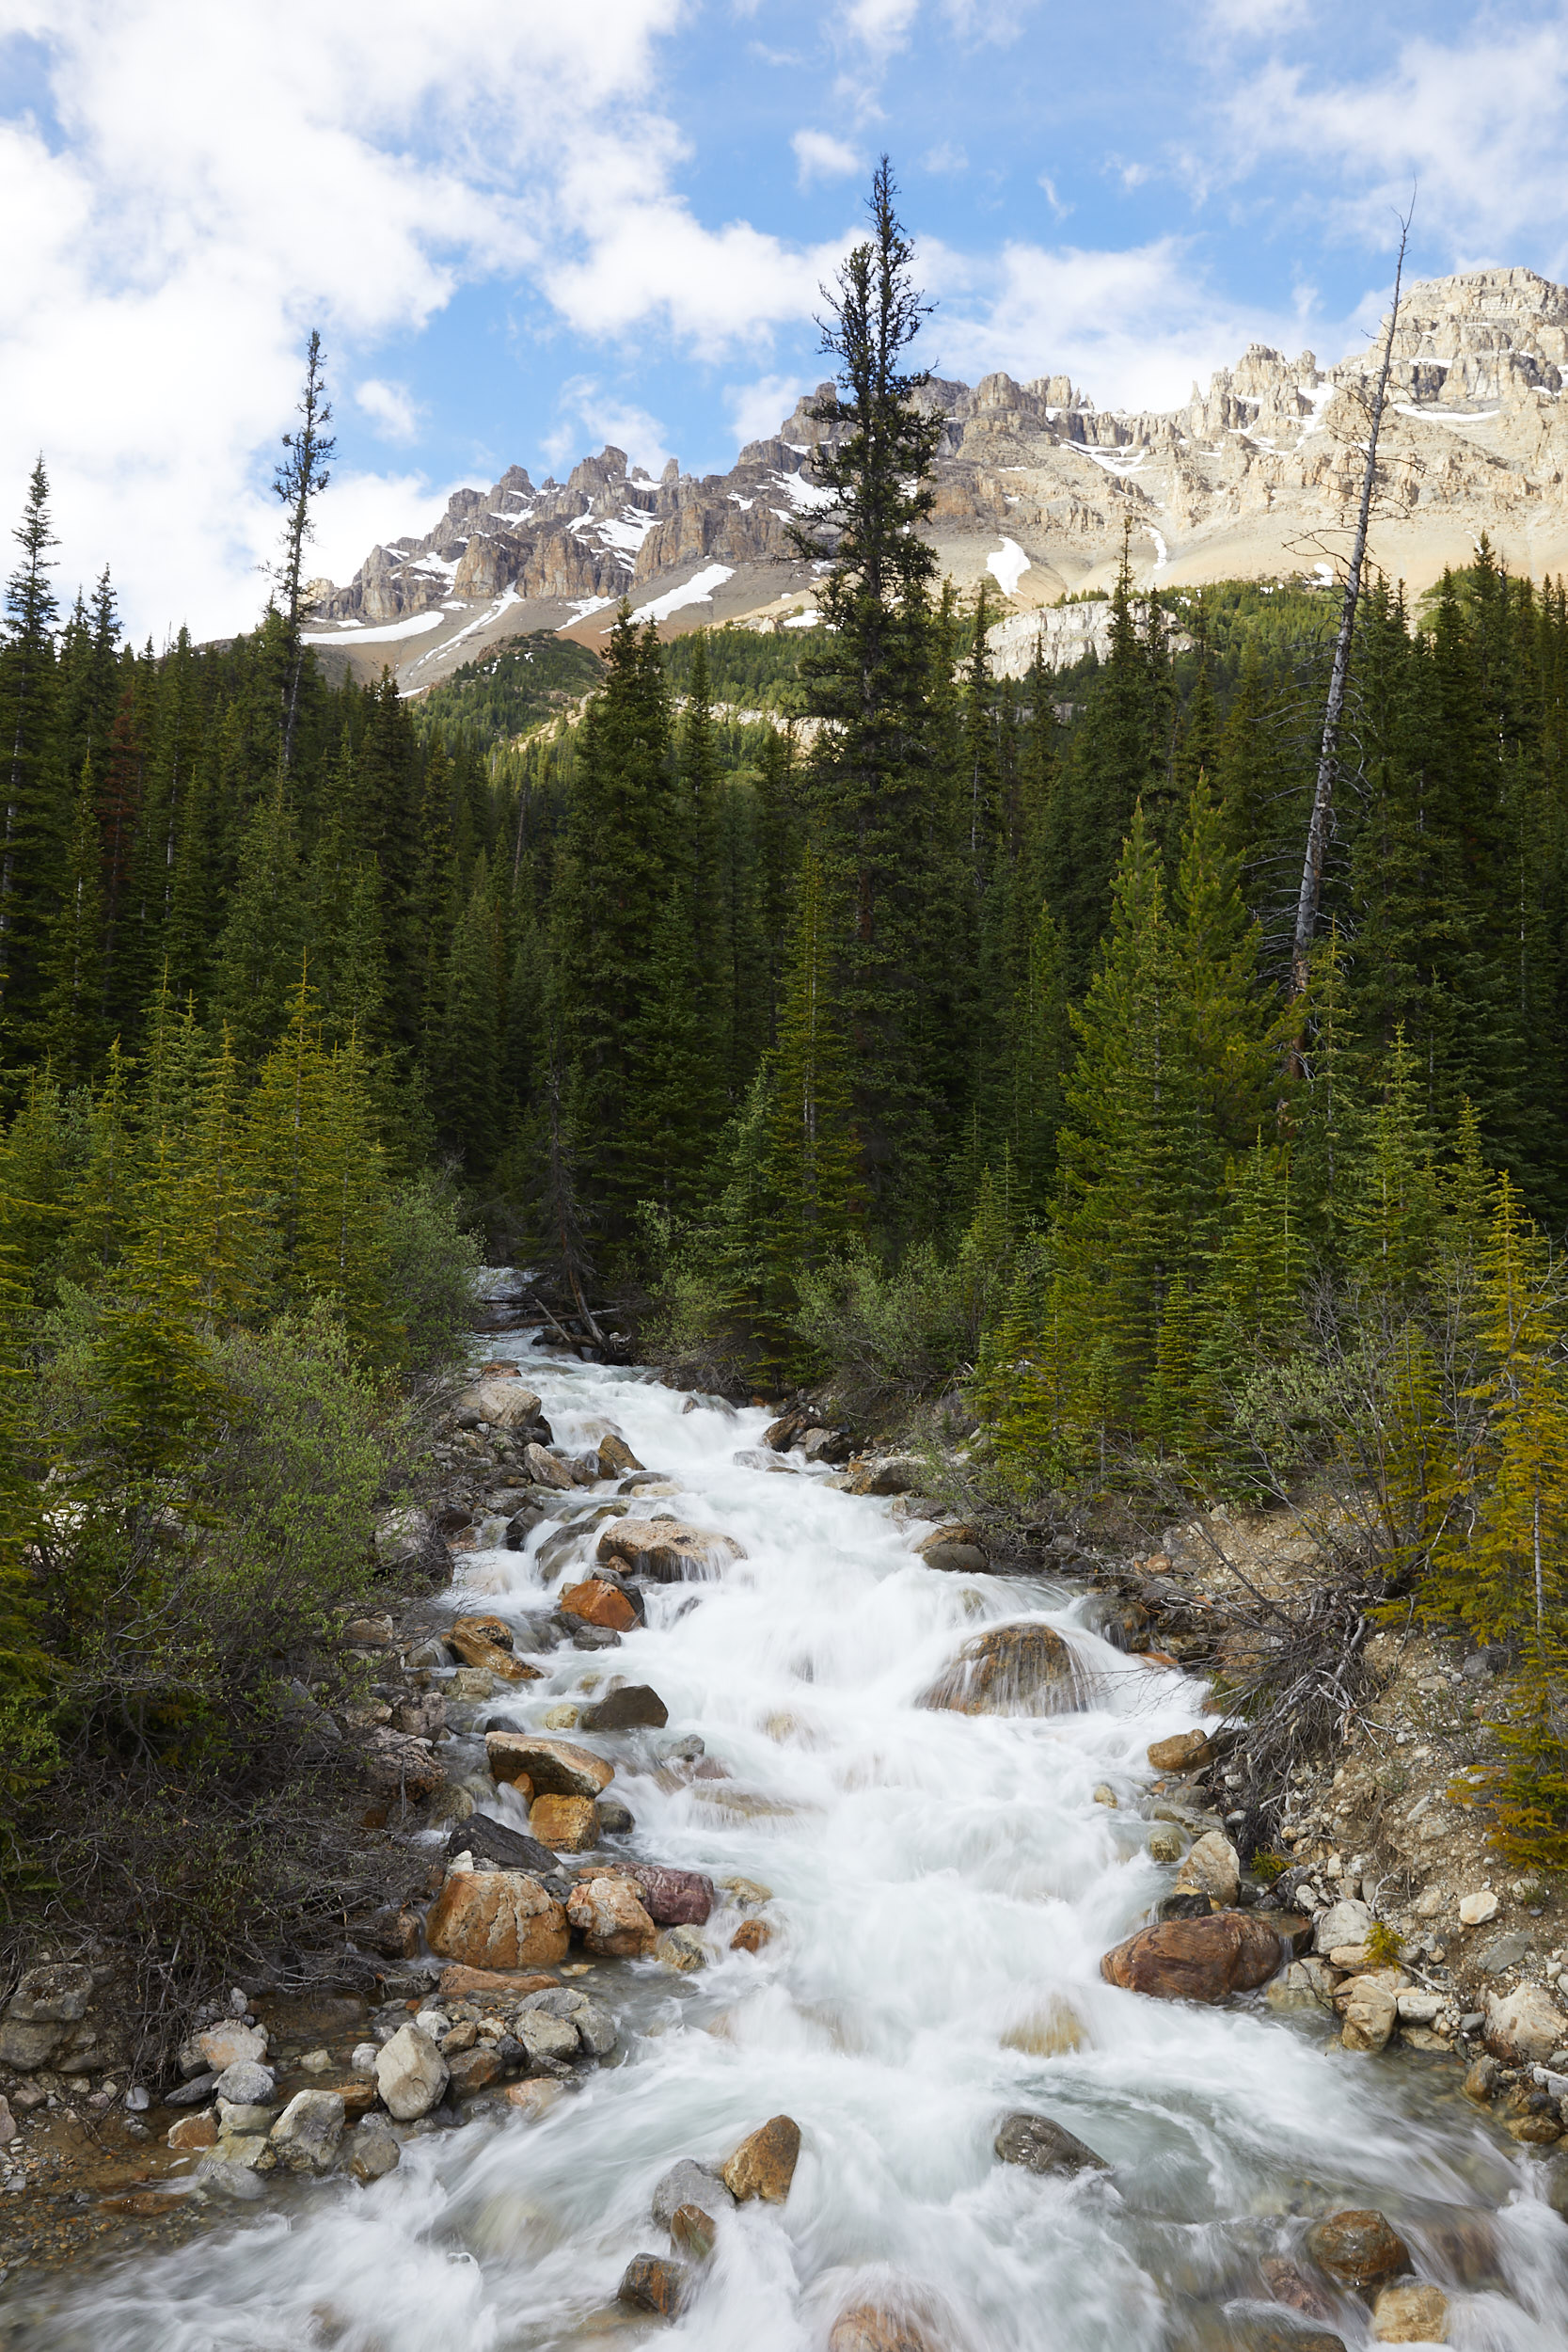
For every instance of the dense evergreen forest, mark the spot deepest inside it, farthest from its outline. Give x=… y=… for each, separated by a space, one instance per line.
x=929 y=1029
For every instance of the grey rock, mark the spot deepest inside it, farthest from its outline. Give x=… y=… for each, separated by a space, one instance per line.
x=546 y=2037
x=305 y=2134
x=56 y=1995
x=26 y=2046
x=585 y=1636
x=373 y=2150
x=410 y=2074
x=245 y=2121
x=633 y=1708
x=246 y=2083
x=1503 y=1951
x=195 y=2094
x=1342 y=1925
x=615 y=1819
x=686 y=1749
x=689 y=2184
x=1042 y=2145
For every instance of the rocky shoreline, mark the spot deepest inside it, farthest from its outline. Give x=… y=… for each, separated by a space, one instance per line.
x=501 y=1984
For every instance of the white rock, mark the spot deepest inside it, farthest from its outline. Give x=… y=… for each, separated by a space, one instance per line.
x=1523 y=2026
x=1419 y=2009
x=410 y=2074
x=1473 y=1909
x=233 y=2044
x=364 y=2058
x=1211 y=1867
x=1343 y=1923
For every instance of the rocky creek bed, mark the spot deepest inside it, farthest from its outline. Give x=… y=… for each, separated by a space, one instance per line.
x=822 y=1930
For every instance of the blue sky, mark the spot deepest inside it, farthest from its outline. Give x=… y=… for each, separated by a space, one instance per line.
x=525 y=229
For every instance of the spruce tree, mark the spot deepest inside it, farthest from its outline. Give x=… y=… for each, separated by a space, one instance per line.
x=36 y=796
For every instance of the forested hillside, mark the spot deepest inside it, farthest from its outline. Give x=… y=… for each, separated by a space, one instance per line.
x=930 y=1027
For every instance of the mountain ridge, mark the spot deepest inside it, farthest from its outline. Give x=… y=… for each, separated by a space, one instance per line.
x=1034 y=489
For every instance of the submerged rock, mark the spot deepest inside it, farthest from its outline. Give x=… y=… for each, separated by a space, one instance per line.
x=883 y=2326
x=668 y=1551
x=958 y=1547
x=1011 y=1670
x=1357 y=2248
x=1042 y=2145
x=1197 y=1959
x=1411 y=2314
x=653 y=2284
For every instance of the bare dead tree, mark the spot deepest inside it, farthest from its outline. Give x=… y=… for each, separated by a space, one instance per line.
x=1310 y=894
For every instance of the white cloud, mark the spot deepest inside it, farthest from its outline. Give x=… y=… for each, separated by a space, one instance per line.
x=820 y=156
x=587 y=409
x=360 y=510
x=390 y=408
x=757 y=410
x=948 y=157
x=1255 y=20
x=231 y=175
x=1474 y=124
x=1133 y=330
x=1049 y=186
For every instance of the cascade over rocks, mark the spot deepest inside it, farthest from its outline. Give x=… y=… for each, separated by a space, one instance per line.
x=1011 y=1670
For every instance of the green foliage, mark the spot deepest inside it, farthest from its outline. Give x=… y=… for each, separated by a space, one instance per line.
x=522 y=684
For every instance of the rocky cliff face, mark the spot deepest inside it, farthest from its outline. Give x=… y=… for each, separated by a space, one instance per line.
x=1036 y=486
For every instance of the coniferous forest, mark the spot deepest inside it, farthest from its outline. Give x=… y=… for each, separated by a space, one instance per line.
x=928 y=1030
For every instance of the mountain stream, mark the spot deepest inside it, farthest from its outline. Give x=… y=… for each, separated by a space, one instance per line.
x=942 y=1888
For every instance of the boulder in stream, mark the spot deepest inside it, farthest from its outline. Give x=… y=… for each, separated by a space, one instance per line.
x=689 y=2184
x=566 y=1824
x=556 y=1767
x=608 y=1915
x=496 y=1919
x=668 y=1551
x=1212 y=1866
x=672 y=1898
x=1184 y=1752
x=494 y=1846
x=635 y=1706
x=956 y=1548
x=653 y=2284
x=487 y=1642
x=616 y=1458
x=889 y=2324
x=1042 y=2145
x=1357 y=2248
x=1411 y=2314
x=1197 y=1959
x=504 y=1404
x=599 y=1601
x=1010 y=1670
x=764 y=2163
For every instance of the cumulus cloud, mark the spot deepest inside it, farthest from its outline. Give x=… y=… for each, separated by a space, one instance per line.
x=217 y=179
x=591 y=414
x=390 y=408
x=1132 y=328
x=756 y=410
x=820 y=156
x=1474 y=124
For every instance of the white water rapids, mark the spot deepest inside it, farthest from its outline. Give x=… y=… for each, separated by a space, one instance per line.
x=943 y=1888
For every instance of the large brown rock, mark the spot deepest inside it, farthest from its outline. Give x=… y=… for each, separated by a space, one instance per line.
x=557 y=1768
x=545 y=1468
x=608 y=1915
x=566 y=1824
x=1197 y=1959
x=1011 y=1670
x=596 y=1601
x=467 y=1984
x=1357 y=2248
x=496 y=1919
x=764 y=2163
x=487 y=1642
x=668 y=1551
x=616 y=1458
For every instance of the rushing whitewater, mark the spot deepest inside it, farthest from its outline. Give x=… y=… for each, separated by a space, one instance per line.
x=943 y=1888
